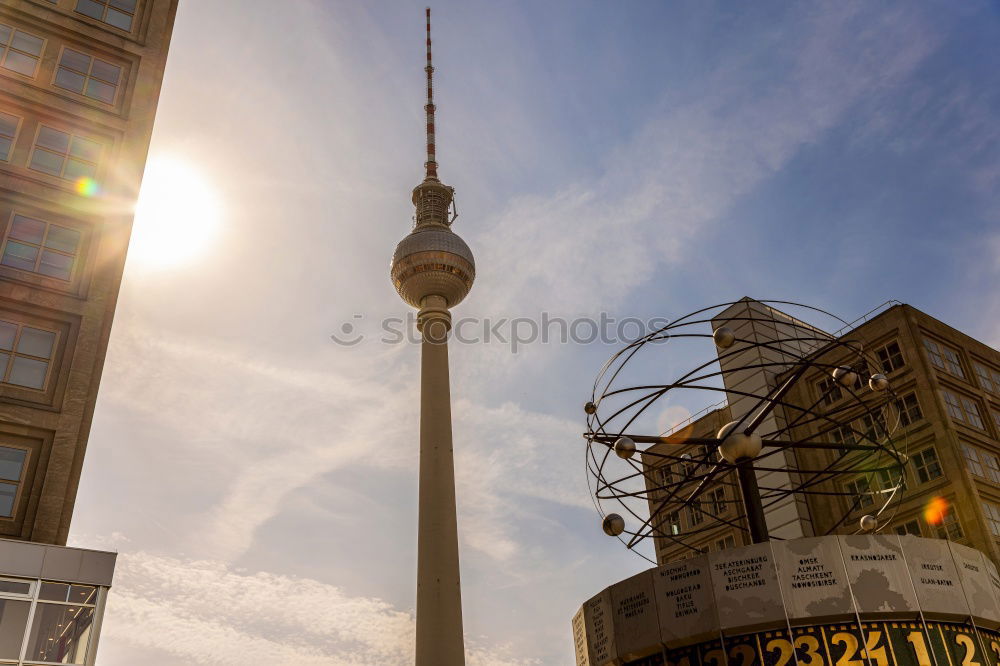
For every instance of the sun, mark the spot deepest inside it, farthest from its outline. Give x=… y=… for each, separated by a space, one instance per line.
x=177 y=215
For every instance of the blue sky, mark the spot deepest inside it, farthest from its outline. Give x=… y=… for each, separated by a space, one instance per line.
x=637 y=159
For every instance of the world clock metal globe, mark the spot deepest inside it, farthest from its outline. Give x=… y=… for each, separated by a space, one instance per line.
x=811 y=417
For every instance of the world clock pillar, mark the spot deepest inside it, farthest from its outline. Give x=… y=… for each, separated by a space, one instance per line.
x=433 y=270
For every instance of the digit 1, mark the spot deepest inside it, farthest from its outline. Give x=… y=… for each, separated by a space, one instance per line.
x=916 y=639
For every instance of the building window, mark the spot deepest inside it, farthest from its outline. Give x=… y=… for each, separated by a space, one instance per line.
x=953 y=405
x=62 y=622
x=996 y=418
x=695 y=514
x=674 y=523
x=25 y=354
x=40 y=247
x=991 y=465
x=888 y=481
x=15 y=601
x=860 y=492
x=9 y=125
x=944 y=358
x=948 y=527
x=19 y=50
x=871 y=427
x=910 y=527
x=981 y=463
x=843 y=436
x=710 y=454
x=926 y=465
x=829 y=391
x=728 y=541
x=867 y=422
x=992 y=513
x=972 y=462
x=65 y=155
x=718 y=499
x=119 y=13
x=909 y=409
x=12 y=466
x=972 y=414
x=989 y=378
x=890 y=358
x=962 y=409
x=88 y=76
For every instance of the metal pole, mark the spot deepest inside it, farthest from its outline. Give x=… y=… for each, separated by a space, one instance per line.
x=751 y=500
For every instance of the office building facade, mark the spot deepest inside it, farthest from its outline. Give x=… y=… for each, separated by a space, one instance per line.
x=81 y=80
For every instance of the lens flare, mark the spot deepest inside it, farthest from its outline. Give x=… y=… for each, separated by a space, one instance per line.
x=87 y=187
x=936 y=510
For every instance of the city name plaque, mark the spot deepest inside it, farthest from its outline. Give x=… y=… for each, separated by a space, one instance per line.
x=685 y=602
x=813 y=579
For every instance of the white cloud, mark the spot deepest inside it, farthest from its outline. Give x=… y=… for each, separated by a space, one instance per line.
x=284 y=425
x=205 y=612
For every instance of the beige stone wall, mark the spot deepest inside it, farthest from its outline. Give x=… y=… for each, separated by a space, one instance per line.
x=908 y=327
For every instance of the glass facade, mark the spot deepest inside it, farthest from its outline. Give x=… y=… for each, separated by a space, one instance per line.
x=45 y=622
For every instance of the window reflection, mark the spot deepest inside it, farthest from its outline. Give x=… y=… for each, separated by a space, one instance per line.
x=60 y=633
x=64 y=155
x=40 y=247
x=118 y=13
x=11 y=465
x=13 y=620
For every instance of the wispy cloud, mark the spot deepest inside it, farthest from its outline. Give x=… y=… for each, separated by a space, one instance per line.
x=205 y=612
x=692 y=161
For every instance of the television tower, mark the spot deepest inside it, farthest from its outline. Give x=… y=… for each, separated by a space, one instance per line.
x=433 y=270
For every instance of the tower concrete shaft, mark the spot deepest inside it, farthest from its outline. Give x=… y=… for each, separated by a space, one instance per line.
x=433 y=270
x=439 y=595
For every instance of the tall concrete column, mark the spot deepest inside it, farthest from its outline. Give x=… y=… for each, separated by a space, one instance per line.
x=439 y=593
x=433 y=270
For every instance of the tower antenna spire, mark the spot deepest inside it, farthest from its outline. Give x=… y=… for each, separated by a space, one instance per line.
x=431 y=164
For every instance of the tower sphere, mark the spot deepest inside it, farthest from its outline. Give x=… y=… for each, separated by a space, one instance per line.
x=432 y=261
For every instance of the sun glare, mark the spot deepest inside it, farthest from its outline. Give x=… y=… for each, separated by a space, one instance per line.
x=177 y=215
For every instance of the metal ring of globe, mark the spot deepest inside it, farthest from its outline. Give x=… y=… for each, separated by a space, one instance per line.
x=638 y=489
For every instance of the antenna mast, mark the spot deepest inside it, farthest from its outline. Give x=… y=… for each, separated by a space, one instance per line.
x=431 y=164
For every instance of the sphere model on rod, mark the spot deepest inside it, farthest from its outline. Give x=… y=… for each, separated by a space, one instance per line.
x=643 y=478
